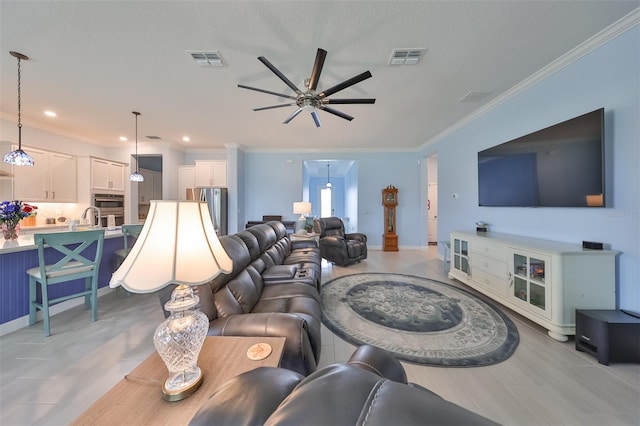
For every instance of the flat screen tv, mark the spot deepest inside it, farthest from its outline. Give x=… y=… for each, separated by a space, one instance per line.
x=560 y=166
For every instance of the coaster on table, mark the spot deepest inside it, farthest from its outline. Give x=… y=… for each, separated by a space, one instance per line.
x=259 y=351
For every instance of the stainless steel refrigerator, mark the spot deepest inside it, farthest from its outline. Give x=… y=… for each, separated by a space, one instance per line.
x=216 y=199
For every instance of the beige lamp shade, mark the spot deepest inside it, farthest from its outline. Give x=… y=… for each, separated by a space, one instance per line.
x=177 y=245
x=301 y=207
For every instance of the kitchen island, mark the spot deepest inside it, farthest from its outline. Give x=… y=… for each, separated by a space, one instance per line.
x=19 y=255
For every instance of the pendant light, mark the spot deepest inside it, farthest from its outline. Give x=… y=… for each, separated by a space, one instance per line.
x=328 y=181
x=19 y=157
x=136 y=176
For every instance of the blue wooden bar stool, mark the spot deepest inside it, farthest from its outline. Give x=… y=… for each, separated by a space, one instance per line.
x=132 y=231
x=128 y=232
x=78 y=261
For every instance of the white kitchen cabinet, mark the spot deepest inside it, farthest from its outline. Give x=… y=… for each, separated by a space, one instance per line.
x=6 y=173
x=64 y=178
x=6 y=170
x=107 y=175
x=186 y=180
x=211 y=173
x=52 y=178
x=544 y=281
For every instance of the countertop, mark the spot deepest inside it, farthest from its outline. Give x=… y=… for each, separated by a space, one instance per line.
x=25 y=240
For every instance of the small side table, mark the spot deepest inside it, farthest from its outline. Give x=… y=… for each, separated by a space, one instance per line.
x=609 y=335
x=137 y=399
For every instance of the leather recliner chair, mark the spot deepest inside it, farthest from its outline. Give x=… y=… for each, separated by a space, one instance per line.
x=339 y=247
x=370 y=389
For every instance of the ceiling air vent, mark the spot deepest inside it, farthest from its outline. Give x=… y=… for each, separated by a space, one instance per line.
x=153 y=137
x=406 y=56
x=206 y=58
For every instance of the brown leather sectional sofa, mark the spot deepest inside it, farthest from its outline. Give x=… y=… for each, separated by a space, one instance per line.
x=272 y=291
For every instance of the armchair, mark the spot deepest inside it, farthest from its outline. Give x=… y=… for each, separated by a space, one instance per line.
x=339 y=247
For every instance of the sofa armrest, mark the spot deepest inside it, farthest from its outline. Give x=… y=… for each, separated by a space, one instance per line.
x=333 y=241
x=304 y=243
x=356 y=236
x=279 y=273
x=264 y=388
x=378 y=361
x=298 y=352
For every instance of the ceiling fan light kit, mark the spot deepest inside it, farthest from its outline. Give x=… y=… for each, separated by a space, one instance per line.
x=311 y=101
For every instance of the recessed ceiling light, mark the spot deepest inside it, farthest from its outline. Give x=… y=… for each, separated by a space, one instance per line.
x=186 y=139
x=50 y=114
x=123 y=138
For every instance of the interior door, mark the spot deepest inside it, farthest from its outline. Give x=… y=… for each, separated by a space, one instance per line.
x=432 y=212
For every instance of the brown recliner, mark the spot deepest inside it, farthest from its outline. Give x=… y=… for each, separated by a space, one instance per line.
x=370 y=389
x=339 y=247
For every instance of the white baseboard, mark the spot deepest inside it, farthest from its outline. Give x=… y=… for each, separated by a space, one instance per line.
x=18 y=323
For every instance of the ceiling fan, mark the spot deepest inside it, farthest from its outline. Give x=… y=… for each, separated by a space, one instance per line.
x=310 y=100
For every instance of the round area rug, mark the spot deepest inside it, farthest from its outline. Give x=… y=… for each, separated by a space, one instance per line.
x=417 y=319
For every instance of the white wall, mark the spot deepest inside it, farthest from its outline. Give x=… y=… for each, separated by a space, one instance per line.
x=273 y=181
x=606 y=77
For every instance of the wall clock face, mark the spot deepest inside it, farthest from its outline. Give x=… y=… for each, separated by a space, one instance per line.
x=389 y=197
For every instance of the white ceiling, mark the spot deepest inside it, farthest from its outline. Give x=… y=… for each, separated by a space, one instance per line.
x=95 y=62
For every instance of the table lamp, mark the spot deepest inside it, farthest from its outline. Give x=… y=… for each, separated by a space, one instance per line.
x=177 y=245
x=302 y=208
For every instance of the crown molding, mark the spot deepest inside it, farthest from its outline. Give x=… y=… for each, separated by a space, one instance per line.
x=611 y=32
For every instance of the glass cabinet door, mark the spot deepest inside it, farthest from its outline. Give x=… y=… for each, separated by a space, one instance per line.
x=529 y=282
x=461 y=255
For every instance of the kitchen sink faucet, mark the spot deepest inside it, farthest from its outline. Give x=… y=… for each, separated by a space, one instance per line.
x=91 y=225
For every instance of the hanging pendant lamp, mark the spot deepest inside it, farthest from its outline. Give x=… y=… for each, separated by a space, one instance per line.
x=136 y=176
x=19 y=157
x=328 y=181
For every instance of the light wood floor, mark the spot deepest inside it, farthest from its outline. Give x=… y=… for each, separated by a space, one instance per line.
x=49 y=381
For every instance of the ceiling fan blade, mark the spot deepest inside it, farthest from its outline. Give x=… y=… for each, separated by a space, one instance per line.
x=336 y=112
x=273 y=106
x=316 y=118
x=350 y=82
x=281 y=76
x=267 y=91
x=317 y=69
x=292 y=116
x=349 y=101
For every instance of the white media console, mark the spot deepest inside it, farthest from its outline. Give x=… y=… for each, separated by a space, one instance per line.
x=545 y=281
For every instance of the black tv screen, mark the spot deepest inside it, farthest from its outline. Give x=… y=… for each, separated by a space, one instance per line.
x=560 y=166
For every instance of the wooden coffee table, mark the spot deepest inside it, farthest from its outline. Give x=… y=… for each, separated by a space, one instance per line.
x=137 y=398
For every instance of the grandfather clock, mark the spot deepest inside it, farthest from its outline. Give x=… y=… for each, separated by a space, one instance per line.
x=390 y=201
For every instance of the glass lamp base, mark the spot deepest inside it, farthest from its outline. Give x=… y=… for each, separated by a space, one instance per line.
x=173 y=395
x=178 y=341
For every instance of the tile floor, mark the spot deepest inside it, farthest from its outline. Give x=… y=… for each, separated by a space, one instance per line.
x=49 y=381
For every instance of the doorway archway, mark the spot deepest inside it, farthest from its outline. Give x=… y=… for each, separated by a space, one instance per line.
x=342 y=194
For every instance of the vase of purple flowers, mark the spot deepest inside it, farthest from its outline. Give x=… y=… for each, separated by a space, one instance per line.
x=11 y=213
